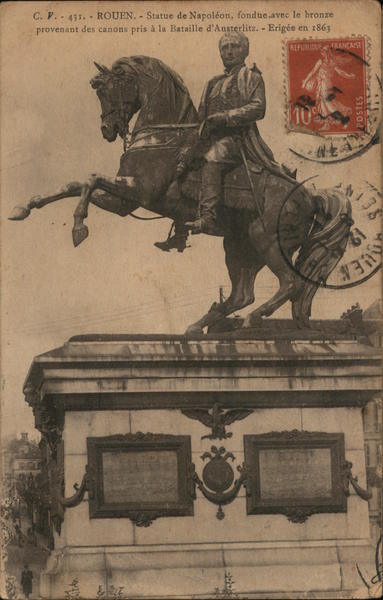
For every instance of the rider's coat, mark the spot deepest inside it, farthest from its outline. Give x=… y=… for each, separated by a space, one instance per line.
x=240 y=95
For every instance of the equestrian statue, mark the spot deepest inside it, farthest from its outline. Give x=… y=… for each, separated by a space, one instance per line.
x=211 y=172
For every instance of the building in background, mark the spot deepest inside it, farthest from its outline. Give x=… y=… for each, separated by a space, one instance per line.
x=372 y=425
x=21 y=468
x=21 y=460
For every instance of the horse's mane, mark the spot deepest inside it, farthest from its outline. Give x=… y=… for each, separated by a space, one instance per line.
x=158 y=77
x=152 y=67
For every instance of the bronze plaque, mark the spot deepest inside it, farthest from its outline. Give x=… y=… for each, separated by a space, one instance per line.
x=295 y=473
x=277 y=469
x=140 y=476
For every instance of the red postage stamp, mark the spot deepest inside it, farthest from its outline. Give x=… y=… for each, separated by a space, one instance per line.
x=327 y=86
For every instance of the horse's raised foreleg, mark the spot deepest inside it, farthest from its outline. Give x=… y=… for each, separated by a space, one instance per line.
x=117 y=200
x=80 y=231
x=20 y=212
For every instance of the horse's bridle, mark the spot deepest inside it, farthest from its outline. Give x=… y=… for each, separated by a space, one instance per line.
x=120 y=96
x=104 y=115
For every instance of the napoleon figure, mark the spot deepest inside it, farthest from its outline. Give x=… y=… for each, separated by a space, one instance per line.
x=230 y=107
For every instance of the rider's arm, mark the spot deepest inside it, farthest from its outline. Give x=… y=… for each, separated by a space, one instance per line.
x=202 y=105
x=255 y=106
x=202 y=109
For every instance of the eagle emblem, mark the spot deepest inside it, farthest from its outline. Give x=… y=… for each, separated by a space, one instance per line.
x=217 y=419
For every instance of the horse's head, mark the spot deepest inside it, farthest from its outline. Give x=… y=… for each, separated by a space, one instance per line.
x=145 y=84
x=117 y=90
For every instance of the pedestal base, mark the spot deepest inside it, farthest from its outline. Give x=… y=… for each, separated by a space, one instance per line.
x=256 y=570
x=150 y=387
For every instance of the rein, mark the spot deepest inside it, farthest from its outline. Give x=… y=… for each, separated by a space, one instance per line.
x=129 y=139
x=170 y=126
x=104 y=115
x=146 y=218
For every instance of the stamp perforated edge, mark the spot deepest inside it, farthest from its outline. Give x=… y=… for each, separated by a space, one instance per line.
x=285 y=78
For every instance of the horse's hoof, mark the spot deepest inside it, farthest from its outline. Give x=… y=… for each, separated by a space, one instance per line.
x=79 y=234
x=303 y=323
x=193 y=330
x=19 y=213
x=246 y=322
x=252 y=321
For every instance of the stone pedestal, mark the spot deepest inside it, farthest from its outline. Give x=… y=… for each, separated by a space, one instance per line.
x=97 y=386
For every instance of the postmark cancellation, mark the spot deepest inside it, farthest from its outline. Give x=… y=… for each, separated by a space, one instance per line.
x=332 y=95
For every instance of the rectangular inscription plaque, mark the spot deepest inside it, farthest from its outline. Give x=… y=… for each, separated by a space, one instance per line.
x=299 y=463
x=140 y=473
x=295 y=472
x=140 y=476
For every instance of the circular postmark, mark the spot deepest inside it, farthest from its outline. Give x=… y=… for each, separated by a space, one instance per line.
x=333 y=104
x=342 y=242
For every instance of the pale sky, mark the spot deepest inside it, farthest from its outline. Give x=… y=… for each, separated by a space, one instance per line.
x=116 y=281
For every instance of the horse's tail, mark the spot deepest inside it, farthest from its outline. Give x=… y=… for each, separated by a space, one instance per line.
x=323 y=247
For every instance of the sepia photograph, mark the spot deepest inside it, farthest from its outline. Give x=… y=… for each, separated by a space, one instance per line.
x=191 y=303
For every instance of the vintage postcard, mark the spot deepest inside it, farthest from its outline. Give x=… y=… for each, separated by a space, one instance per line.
x=191 y=207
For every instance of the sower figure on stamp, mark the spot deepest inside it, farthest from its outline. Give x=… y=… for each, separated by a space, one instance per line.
x=231 y=105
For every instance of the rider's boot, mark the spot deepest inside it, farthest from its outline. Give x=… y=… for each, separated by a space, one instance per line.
x=178 y=240
x=211 y=191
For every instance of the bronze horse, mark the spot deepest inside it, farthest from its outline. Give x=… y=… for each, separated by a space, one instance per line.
x=266 y=231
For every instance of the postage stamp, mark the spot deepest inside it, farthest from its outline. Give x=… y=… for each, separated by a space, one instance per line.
x=327 y=86
x=333 y=97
